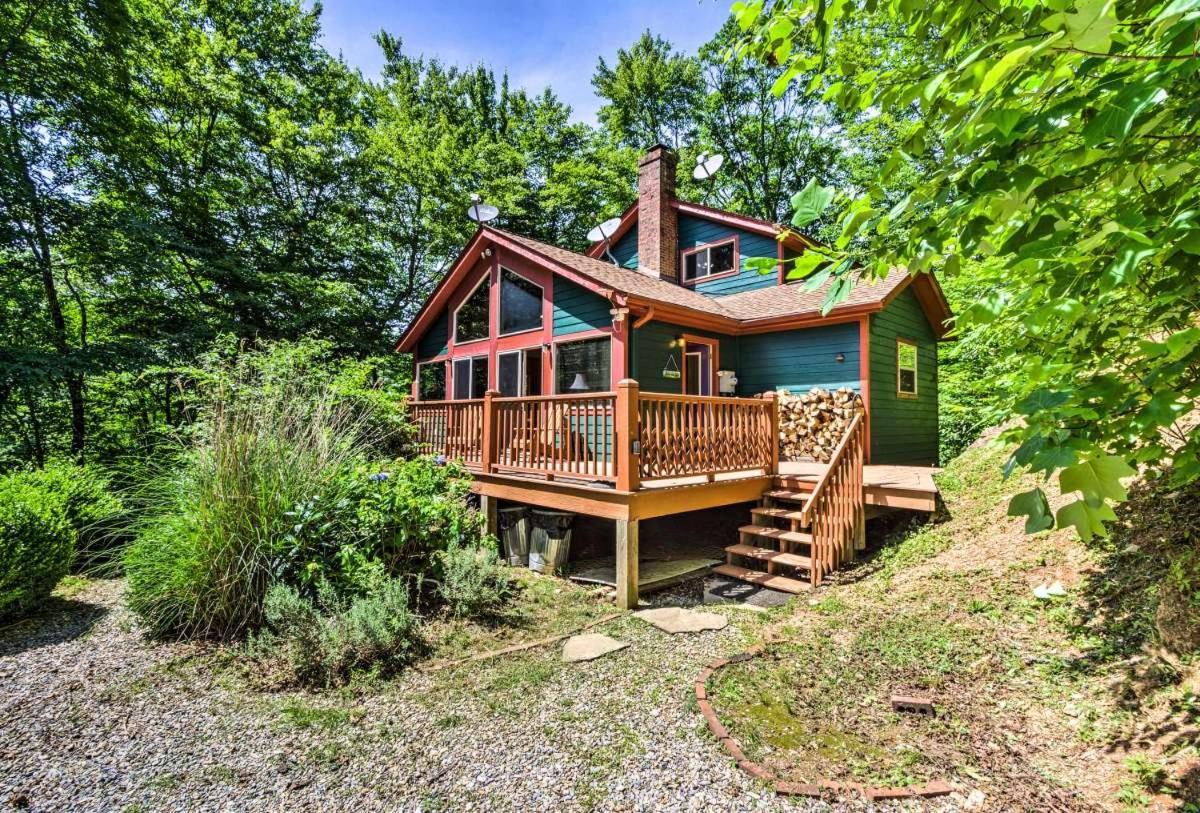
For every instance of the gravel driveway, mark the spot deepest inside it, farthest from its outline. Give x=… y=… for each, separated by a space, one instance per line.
x=92 y=718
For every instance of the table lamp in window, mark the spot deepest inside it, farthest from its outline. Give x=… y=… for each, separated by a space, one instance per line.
x=580 y=383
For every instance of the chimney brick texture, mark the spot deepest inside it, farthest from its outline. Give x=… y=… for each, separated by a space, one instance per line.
x=658 y=223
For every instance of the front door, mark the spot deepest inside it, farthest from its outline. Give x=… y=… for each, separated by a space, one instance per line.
x=697 y=369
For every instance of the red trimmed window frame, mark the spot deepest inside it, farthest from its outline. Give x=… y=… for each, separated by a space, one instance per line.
x=737 y=260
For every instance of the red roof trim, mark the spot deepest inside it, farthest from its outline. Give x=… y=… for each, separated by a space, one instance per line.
x=628 y=218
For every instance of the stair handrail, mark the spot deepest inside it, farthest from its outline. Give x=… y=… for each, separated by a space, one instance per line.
x=836 y=458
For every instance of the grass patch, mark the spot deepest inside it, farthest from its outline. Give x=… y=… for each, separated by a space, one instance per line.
x=301 y=715
x=70 y=586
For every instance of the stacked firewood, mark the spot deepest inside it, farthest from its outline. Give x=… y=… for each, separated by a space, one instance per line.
x=813 y=423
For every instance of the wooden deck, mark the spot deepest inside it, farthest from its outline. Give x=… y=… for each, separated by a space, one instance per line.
x=886 y=486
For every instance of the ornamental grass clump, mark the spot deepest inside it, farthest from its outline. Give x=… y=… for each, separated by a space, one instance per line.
x=203 y=560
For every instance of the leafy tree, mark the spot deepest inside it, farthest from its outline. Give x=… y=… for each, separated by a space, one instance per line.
x=651 y=93
x=1070 y=137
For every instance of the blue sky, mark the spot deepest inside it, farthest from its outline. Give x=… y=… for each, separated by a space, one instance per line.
x=538 y=42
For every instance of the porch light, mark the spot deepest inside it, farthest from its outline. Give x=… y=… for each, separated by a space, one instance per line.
x=579 y=384
x=840 y=357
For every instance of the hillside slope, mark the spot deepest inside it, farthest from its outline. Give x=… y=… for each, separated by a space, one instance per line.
x=1060 y=703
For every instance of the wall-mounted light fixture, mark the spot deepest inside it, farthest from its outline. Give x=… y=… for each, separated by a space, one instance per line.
x=840 y=357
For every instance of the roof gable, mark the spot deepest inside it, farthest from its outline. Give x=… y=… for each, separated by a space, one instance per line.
x=772 y=308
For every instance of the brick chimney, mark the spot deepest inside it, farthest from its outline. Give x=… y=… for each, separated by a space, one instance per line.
x=658 y=223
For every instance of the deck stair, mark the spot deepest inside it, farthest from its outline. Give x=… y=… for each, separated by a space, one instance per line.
x=803 y=531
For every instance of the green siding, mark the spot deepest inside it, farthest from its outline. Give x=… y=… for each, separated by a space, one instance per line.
x=903 y=430
x=434 y=342
x=649 y=353
x=798 y=360
x=625 y=250
x=695 y=231
x=577 y=309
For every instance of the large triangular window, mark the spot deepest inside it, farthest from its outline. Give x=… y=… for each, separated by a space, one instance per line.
x=471 y=318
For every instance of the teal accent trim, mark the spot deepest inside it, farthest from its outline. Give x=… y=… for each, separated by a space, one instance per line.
x=625 y=250
x=649 y=354
x=903 y=430
x=435 y=341
x=577 y=309
x=798 y=360
x=695 y=232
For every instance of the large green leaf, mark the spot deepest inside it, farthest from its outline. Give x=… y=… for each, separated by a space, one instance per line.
x=810 y=203
x=1115 y=120
x=1098 y=479
x=1003 y=67
x=1034 y=506
x=1087 y=519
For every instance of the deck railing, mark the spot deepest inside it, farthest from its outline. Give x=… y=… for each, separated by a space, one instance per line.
x=836 y=507
x=684 y=435
x=450 y=428
x=622 y=437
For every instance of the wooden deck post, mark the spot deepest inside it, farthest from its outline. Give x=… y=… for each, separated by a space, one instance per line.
x=627 y=563
x=488 y=446
x=629 y=457
x=772 y=398
x=489 y=507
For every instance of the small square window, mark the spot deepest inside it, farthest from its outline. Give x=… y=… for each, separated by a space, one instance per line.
x=718 y=258
x=906 y=368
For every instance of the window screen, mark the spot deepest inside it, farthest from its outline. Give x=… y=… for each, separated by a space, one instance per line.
x=520 y=372
x=906 y=368
x=520 y=303
x=588 y=358
x=471 y=318
x=470 y=377
x=431 y=381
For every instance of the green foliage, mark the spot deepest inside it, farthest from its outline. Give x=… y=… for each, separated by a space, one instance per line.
x=94 y=512
x=1065 y=135
x=473 y=582
x=36 y=543
x=324 y=641
x=202 y=563
x=651 y=94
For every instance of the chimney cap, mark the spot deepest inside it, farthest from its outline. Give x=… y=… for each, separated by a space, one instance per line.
x=656 y=152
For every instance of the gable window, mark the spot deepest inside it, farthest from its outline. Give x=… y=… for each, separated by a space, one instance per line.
x=431 y=381
x=906 y=368
x=710 y=260
x=520 y=303
x=471 y=318
x=582 y=366
x=470 y=377
x=520 y=372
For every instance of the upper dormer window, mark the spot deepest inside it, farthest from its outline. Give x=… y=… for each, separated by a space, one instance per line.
x=710 y=260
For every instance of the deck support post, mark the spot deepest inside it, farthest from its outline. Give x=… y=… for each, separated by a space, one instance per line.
x=490 y=435
x=489 y=507
x=628 y=442
x=627 y=563
x=772 y=398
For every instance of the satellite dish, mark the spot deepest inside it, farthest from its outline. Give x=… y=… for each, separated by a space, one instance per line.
x=603 y=232
x=707 y=166
x=481 y=212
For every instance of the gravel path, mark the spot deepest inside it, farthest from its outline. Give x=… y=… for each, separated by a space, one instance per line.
x=95 y=718
x=92 y=718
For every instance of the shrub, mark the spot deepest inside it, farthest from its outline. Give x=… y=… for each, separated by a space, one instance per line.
x=201 y=564
x=473 y=581
x=92 y=509
x=323 y=641
x=36 y=543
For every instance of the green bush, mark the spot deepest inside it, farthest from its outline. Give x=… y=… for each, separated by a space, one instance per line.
x=322 y=642
x=36 y=543
x=473 y=581
x=202 y=562
x=92 y=509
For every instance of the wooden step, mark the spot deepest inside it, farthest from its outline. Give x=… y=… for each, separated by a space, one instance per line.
x=757 y=577
x=787 y=495
x=778 y=513
x=769 y=555
x=796 y=537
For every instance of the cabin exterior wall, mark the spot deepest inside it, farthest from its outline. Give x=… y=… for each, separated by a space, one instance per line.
x=904 y=429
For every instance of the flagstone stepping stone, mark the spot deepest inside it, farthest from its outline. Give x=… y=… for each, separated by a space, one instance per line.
x=589 y=647
x=677 y=619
